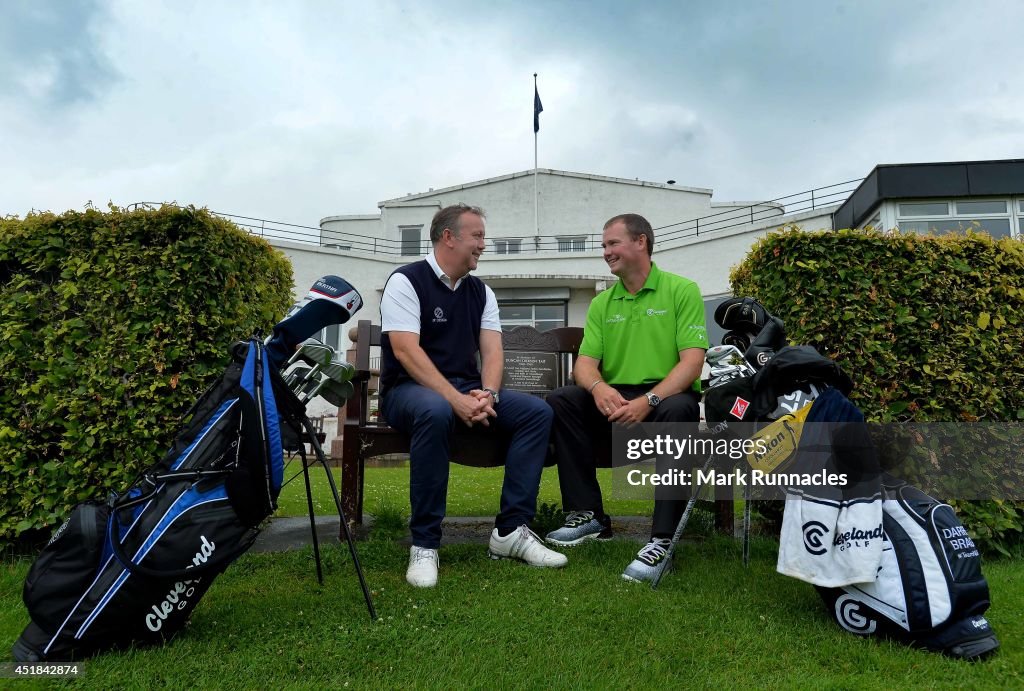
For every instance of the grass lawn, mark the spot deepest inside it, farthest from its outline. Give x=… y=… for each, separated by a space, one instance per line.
x=265 y=624
x=471 y=491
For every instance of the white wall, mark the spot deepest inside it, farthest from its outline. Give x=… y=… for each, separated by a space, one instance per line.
x=568 y=204
x=704 y=259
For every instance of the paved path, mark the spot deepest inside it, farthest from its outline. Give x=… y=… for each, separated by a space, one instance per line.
x=293 y=532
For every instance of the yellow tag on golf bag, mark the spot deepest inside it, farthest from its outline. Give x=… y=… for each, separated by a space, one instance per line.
x=775 y=445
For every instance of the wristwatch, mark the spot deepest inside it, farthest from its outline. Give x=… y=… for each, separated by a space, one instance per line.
x=653 y=399
x=494 y=394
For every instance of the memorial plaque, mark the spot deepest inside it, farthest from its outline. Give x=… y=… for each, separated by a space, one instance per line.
x=531 y=371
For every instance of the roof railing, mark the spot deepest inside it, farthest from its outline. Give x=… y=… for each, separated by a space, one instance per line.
x=566 y=241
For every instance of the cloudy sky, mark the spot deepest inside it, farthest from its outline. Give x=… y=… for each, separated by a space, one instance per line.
x=293 y=111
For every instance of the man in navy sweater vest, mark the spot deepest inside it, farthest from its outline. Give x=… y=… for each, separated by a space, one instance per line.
x=435 y=318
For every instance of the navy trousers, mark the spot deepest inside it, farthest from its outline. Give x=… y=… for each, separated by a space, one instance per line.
x=429 y=421
x=580 y=433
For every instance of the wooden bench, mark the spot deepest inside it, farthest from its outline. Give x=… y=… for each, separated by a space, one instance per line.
x=535 y=361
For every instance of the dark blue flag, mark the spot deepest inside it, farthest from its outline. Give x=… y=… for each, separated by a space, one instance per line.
x=537 y=109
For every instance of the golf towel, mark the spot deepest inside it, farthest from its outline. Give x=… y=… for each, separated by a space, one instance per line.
x=832 y=535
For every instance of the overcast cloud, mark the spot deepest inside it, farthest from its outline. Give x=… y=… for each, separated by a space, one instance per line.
x=293 y=111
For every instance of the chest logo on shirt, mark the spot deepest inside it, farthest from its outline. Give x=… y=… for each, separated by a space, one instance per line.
x=655 y=313
x=615 y=319
x=439 y=316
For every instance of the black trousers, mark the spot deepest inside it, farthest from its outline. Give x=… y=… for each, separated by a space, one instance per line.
x=582 y=437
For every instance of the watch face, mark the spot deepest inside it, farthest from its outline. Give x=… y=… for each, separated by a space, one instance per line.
x=653 y=399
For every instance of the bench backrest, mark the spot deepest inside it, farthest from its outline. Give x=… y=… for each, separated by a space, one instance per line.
x=535 y=361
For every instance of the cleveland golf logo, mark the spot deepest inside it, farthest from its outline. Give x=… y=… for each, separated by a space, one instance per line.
x=177 y=597
x=851 y=617
x=856 y=537
x=813 y=530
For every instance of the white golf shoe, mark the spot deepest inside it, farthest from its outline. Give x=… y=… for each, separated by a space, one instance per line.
x=422 y=571
x=523 y=544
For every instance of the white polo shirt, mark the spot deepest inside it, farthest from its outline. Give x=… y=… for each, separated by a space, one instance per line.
x=400 y=305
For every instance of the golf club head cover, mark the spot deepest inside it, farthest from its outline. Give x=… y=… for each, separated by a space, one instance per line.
x=769 y=341
x=742 y=314
x=740 y=339
x=331 y=300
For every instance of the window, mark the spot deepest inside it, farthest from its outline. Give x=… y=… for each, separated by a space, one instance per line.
x=330 y=335
x=987 y=207
x=511 y=246
x=572 y=243
x=541 y=316
x=925 y=209
x=715 y=332
x=410 y=240
x=985 y=215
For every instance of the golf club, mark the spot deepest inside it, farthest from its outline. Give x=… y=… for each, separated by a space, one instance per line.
x=683 y=520
x=334 y=392
x=314 y=353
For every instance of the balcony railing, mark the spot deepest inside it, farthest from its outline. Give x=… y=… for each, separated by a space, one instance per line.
x=567 y=241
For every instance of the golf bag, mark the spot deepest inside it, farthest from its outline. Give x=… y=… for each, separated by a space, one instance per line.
x=131 y=570
x=929 y=591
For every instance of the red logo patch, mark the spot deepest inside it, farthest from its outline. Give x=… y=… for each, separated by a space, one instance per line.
x=739 y=407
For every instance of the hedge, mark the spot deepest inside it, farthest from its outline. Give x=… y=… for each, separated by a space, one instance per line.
x=929 y=327
x=111 y=324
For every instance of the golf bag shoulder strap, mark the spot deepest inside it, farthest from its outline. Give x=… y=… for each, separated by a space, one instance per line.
x=213 y=564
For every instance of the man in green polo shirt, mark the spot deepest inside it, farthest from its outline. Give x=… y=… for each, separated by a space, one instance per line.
x=640 y=361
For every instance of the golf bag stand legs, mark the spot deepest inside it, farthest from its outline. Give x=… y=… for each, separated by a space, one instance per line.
x=319 y=452
x=683 y=520
x=312 y=518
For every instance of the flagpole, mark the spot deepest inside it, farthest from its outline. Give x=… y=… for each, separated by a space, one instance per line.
x=536 y=203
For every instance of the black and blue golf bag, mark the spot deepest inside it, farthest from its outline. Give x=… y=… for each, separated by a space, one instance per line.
x=130 y=570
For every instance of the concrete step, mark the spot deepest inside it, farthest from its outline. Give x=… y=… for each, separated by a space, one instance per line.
x=288 y=533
